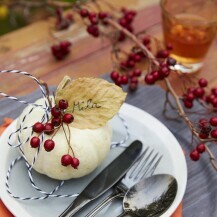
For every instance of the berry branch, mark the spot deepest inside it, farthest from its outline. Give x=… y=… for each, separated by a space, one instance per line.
x=171 y=90
x=58 y=120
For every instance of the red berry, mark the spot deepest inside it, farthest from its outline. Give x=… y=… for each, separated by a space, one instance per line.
x=214 y=102
x=56 y=122
x=63 y=104
x=130 y=64
x=190 y=97
x=137 y=72
x=124 y=79
x=55 y=49
x=213 y=134
x=203 y=122
x=194 y=155
x=203 y=135
x=68 y=118
x=66 y=160
x=137 y=58
x=123 y=65
x=64 y=45
x=123 y=22
x=169 y=46
x=48 y=128
x=205 y=127
x=190 y=90
x=93 y=20
x=199 y=92
x=141 y=53
x=163 y=64
x=55 y=111
x=188 y=104
x=133 y=86
x=164 y=72
x=210 y=98
x=132 y=12
x=213 y=121
x=214 y=91
x=102 y=15
x=156 y=75
x=49 y=145
x=38 y=127
x=149 y=79
x=131 y=75
x=69 y=17
x=202 y=82
x=134 y=80
x=75 y=162
x=129 y=28
x=35 y=142
x=131 y=56
x=162 y=54
x=146 y=40
x=93 y=30
x=114 y=75
x=59 y=13
x=121 y=37
x=57 y=52
x=129 y=17
x=118 y=81
x=84 y=12
x=92 y=14
x=201 y=148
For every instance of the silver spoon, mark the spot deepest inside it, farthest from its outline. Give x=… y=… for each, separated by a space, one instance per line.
x=150 y=197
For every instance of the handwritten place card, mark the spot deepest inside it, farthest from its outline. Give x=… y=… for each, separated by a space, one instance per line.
x=92 y=101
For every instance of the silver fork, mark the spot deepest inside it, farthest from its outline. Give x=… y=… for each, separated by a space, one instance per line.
x=143 y=167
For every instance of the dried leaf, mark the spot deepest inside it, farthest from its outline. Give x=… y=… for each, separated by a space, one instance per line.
x=66 y=80
x=92 y=101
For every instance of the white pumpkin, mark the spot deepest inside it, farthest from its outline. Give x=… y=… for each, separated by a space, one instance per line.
x=90 y=146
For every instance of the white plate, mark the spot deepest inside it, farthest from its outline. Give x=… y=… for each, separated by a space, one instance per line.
x=142 y=126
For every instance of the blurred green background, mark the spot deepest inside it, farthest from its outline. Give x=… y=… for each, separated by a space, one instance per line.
x=14 y=15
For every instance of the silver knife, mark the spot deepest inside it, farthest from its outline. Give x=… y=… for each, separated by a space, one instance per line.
x=105 y=179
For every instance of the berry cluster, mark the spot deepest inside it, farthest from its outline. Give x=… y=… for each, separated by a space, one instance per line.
x=59 y=117
x=130 y=73
x=196 y=93
x=61 y=50
x=63 y=22
x=163 y=70
x=94 y=19
x=131 y=78
x=126 y=21
x=211 y=98
x=208 y=128
x=195 y=154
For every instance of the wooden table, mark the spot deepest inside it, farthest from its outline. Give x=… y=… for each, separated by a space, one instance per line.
x=28 y=49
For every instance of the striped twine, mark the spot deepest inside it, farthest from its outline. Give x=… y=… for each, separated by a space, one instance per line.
x=17 y=133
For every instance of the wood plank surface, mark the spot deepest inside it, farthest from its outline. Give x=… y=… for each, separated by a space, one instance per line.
x=28 y=49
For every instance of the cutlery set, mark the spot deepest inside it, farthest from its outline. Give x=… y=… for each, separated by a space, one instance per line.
x=127 y=175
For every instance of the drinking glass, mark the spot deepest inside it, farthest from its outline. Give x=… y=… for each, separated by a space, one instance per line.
x=190 y=26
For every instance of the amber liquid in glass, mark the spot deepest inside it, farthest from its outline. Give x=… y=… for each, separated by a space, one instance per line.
x=190 y=41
